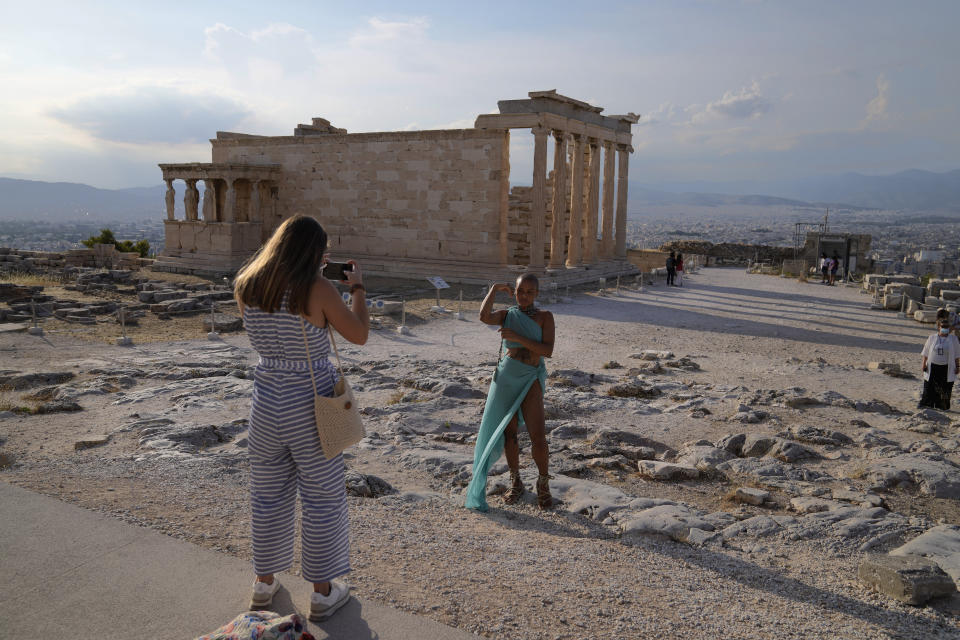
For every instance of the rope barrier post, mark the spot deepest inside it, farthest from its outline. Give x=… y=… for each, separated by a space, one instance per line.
x=402 y=329
x=459 y=315
x=36 y=329
x=618 y=284
x=603 y=284
x=123 y=340
x=213 y=335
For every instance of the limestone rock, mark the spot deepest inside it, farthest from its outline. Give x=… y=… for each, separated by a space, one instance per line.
x=367 y=486
x=809 y=504
x=703 y=457
x=757 y=445
x=817 y=435
x=940 y=544
x=615 y=438
x=733 y=443
x=909 y=579
x=633 y=390
x=223 y=322
x=666 y=471
x=749 y=495
x=674 y=521
x=789 y=451
x=757 y=526
x=91 y=441
x=934 y=475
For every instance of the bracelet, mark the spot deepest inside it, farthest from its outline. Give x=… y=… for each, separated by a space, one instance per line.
x=354 y=287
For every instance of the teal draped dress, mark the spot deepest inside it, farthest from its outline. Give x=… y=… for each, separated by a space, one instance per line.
x=511 y=382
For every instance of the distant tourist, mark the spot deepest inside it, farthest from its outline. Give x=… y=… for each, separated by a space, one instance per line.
x=834 y=265
x=516 y=394
x=671 y=268
x=824 y=268
x=940 y=365
x=288 y=309
x=679 y=268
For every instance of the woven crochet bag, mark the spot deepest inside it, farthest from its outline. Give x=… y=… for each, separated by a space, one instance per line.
x=338 y=416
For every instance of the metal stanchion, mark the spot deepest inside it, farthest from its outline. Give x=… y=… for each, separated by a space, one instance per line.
x=402 y=329
x=36 y=329
x=603 y=285
x=618 y=284
x=213 y=335
x=123 y=340
x=459 y=315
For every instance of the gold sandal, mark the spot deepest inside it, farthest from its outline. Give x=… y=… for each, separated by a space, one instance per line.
x=544 y=499
x=516 y=489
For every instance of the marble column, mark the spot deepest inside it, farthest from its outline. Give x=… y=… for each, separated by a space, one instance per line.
x=538 y=211
x=209 y=201
x=170 y=199
x=559 y=214
x=191 y=198
x=623 y=174
x=575 y=242
x=593 y=205
x=606 y=225
x=254 y=213
x=230 y=205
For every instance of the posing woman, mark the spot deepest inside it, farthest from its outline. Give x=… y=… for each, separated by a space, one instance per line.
x=679 y=269
x=287 y=306
x=941 y=362
x=516 y=394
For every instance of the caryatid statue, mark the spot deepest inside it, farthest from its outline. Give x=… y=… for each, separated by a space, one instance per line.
x=209 y=201
x=170 y=197
x=190 y=199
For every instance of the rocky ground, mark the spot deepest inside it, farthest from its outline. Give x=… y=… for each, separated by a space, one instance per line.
x=723 y=458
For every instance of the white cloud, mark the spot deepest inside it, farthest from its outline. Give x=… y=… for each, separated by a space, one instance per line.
x=380 y=31
x=151 y=114
x=877 y=107
x=743 y=104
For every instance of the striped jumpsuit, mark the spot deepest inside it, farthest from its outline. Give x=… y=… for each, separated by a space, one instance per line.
x=286 y=455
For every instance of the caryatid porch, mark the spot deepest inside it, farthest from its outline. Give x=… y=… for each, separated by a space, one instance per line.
x=238 y=212
x=587 y=220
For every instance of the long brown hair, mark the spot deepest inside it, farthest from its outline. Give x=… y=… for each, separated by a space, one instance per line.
x=289 y=262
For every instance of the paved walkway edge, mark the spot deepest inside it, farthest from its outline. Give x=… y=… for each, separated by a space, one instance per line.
x=69 y=572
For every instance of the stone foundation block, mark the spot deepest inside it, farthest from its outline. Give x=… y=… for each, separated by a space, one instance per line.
x=909 y=579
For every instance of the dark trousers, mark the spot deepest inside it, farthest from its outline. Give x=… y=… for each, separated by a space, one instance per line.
x=936 y=390
x=671 y=275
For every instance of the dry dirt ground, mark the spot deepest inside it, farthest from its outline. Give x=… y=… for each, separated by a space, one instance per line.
x=516 y=572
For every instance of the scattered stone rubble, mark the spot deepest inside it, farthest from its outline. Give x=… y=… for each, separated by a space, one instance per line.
x=159 y=297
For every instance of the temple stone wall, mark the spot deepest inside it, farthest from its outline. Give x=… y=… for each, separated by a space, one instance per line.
x=408 y=195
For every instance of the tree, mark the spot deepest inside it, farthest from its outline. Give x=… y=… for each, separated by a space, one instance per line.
x=127 y=246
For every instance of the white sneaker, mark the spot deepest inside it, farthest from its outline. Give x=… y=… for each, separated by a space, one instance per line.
x=322 y=607
x=263 y=594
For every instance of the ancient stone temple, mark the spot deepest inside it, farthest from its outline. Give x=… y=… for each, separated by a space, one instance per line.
x=417 y=203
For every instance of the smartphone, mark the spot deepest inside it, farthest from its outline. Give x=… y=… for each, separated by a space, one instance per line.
x=336 y=271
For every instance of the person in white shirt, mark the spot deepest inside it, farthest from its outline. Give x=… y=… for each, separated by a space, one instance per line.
x=941 y=363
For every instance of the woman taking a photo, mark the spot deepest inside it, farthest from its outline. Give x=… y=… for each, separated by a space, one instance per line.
x=287 y=306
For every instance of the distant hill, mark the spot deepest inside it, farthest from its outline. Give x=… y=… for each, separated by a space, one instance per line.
x=911 y=190
x=69 y=201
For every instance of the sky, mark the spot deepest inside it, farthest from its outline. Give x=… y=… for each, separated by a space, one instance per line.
x=727 y=90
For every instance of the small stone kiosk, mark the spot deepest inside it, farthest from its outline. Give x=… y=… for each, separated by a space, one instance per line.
x=418 y=203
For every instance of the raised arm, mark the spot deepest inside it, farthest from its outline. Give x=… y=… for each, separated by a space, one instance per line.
x=327 y=307
x=487 y=315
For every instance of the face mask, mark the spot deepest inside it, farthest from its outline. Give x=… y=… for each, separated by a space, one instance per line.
x=944 y=331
